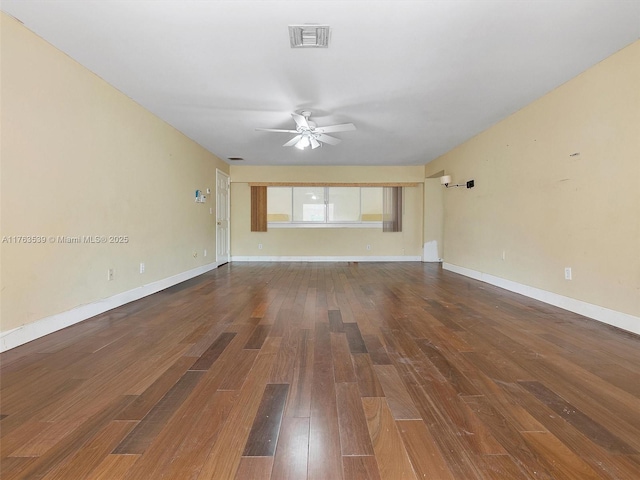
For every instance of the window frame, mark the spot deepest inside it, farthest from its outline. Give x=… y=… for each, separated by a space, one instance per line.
x=326 y=223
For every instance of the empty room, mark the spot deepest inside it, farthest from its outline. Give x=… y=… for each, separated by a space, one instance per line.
x=316 y=239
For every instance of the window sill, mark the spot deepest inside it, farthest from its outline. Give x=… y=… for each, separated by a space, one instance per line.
x=373 y=225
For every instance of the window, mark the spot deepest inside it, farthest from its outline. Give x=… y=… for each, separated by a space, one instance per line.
x=279 y=201
x=311 y=206
x=344 y=204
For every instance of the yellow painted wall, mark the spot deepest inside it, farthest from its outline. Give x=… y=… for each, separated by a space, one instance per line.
x=433 y=219
x=80 y=158
x=325 y=241
x=547 y=208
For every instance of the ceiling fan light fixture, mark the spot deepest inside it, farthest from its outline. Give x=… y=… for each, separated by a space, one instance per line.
x=303 y=142
x=309 y=36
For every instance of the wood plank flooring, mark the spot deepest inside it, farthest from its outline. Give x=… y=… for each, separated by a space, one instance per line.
x=325 y=371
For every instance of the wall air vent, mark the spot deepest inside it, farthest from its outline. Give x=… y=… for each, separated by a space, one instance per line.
x=309 y=36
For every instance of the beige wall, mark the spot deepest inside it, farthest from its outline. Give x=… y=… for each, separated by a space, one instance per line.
x=548 y=209
x=80 y=158
x=325 y=241
x=433 y=220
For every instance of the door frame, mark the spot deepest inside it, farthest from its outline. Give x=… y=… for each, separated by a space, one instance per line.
x=220 y=173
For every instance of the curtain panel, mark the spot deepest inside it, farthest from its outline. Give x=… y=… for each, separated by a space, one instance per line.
x=392 y=209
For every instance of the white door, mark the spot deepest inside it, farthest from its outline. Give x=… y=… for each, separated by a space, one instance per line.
x=222 y=217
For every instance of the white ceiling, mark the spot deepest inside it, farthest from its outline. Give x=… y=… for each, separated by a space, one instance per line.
x=417 y=78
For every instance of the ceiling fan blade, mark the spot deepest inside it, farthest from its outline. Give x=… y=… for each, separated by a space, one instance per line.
x=315 y=143
x=293 y=141
x=327 y=139
x=343 y=127
x=276 y=130
x=300 y=121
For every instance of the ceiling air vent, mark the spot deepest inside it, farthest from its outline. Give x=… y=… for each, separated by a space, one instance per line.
x=309 y=36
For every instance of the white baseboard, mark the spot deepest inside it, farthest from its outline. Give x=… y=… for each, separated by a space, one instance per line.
x=621 y=320
x=369 y=258
x=47 y=325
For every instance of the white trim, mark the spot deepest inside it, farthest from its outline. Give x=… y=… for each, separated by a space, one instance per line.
x=228 y=239
x=40 y=328
x=370 y=258
x=621 y=320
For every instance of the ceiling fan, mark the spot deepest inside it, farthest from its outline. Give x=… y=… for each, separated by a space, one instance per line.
x=308 y=134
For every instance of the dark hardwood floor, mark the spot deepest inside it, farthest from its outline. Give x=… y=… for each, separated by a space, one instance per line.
x=325 y=371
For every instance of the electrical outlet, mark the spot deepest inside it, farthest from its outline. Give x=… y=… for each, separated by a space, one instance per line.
x=504 y=255
x=567 y=273
x=205 y=252
x=259 y=246
x=110 y=274
x=141 y=267
x=368 y=247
